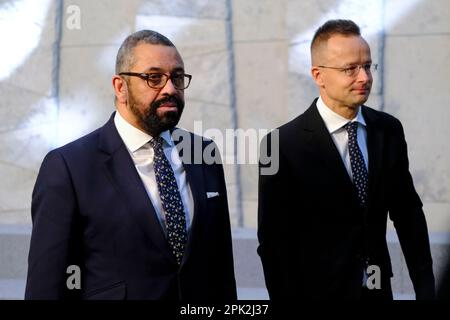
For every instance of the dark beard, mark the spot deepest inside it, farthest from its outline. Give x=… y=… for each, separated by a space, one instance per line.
x=151 y=122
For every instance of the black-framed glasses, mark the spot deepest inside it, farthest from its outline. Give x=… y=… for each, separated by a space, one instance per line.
x=352 y=71
x=157 y=80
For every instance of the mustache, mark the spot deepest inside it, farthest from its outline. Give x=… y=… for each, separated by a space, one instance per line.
x=170 y=99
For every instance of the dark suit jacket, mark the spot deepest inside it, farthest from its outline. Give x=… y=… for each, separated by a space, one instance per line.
x=312 y=232
x=90 y=208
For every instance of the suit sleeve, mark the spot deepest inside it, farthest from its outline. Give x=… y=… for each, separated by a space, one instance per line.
x=53 y=209
x=271 y=191
x=224 y=277
x=228 y=276
x=409 y=220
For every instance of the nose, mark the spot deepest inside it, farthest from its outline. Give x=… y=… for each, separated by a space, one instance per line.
x=363 y=75
x=169 y=88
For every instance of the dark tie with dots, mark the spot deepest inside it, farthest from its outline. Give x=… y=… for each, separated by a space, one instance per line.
x=359 y=171
x=170 y=199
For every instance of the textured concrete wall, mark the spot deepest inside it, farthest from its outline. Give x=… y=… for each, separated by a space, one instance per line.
x=26 y=106
x=250 y=62
x=417 y=92
x=250 y=65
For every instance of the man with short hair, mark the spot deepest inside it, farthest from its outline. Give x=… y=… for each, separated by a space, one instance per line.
x=126 y=204
x=342 y=168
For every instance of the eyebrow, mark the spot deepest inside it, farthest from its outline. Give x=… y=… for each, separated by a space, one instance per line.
x=157 y=69
x=355 y=64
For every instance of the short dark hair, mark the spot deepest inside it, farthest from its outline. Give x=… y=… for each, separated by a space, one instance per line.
x=333 y=27
x=124 y=60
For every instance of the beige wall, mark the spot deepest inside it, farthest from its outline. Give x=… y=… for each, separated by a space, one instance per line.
x=250 y=66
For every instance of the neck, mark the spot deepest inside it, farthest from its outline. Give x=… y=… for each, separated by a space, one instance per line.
x=129 y=117
x=348 y=112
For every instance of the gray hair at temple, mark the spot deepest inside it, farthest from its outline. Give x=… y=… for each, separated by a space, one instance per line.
x=125 y=57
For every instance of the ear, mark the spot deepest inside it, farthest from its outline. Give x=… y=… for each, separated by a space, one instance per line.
x=120 y=89
x=316 y=73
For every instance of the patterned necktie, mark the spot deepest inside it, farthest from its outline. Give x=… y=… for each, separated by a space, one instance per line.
x=359 y=171
x=170 y=199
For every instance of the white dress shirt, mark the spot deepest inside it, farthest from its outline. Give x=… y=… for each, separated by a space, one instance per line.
x=141 y=152
x=335 y=124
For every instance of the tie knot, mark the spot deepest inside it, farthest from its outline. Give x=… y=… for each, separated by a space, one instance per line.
x=351 y=127
x=156 y=143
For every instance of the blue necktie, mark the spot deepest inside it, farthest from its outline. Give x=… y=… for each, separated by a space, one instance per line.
x=359 y=171
x=170 y=199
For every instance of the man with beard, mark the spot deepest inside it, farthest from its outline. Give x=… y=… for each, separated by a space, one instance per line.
x=342 y=168
x=125 y=212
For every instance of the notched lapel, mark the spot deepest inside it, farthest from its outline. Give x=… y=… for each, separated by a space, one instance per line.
x=375 y=137
x=322 y=145
x=194 y=176
x=129 y=185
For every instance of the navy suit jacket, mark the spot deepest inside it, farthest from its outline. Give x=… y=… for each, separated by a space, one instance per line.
x=90 y=209
x=312 y=232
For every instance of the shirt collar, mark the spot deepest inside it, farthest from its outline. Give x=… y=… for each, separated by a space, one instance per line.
x=334 y=121
x=134 y=138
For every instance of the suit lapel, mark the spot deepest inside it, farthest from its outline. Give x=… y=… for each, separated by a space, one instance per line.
x=194 y=177
x=129 y=185
x=322 y=145
x=375 y=137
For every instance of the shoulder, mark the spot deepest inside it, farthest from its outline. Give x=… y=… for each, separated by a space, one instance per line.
x=196 y=149
x=292 y=124
x=58 y=163
x=183 y=136
x=79 y=152
x=382 y=119
x=296 y=130
x=106 y=138
x=81 y=146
